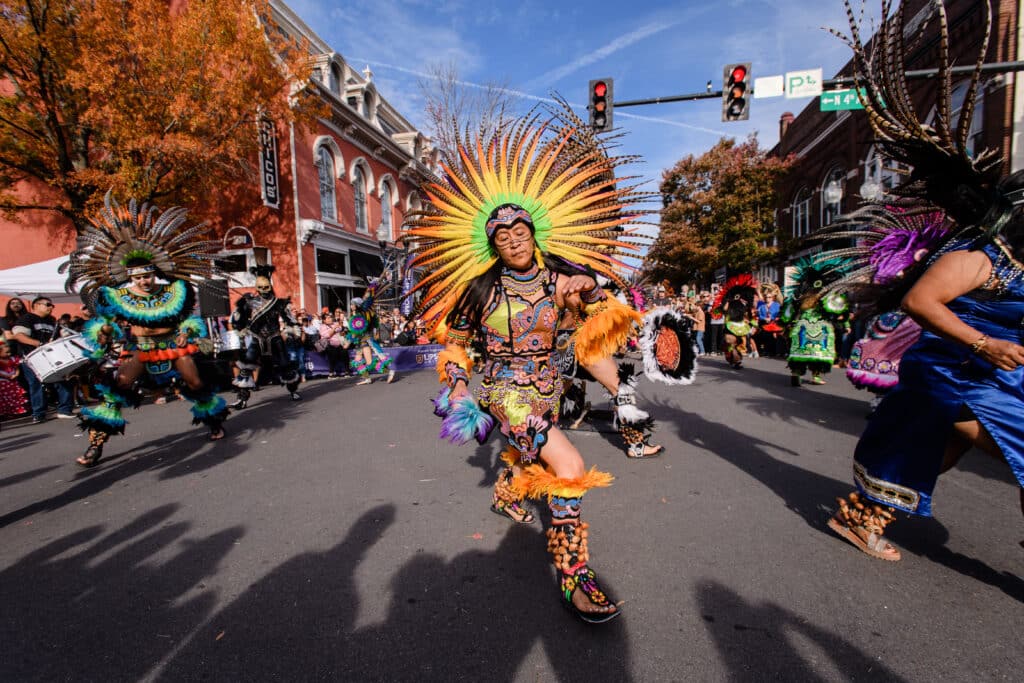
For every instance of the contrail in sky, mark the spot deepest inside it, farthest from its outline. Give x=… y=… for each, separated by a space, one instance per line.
x=535 y=98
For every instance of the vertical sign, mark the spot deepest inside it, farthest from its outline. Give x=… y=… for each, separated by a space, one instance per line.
x=269 y=184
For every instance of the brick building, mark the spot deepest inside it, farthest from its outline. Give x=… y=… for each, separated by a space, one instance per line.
x=837 y=148
x=326 y=198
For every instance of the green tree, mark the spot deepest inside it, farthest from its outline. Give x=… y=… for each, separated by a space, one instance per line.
x=718 y=210
x=156 y=100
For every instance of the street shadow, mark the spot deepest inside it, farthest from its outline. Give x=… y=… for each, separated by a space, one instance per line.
x=812 y=497
x=754 y=642
x=927 y=537
x=15 y=443
x=25 y=476
x=186 y=453
x=474 y=617
x=793 y=405
x=106 y=606
x=984 y=465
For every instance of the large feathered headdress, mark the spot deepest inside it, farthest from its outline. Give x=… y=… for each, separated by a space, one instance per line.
x=119 y=239
x=944 y=171
x=547 y=163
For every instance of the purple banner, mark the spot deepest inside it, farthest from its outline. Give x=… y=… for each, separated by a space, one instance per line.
x=403 y=358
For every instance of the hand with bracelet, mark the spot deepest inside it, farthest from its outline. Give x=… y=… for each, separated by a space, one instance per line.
x=1003 y=354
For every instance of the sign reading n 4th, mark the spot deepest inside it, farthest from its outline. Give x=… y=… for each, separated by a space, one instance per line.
x=841 y=100
x=805 y=83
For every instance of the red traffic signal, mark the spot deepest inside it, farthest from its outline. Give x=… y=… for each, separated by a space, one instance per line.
x=600 y=105
x=735 y=84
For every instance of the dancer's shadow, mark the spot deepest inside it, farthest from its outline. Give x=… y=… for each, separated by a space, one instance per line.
x=812 y=496
x=25 y=476
x=16 y=443
x=105 y=606
x=752 y=641
x=475 y=617
x=793 y=405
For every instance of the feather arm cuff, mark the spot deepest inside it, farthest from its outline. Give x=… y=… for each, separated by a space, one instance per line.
x=453 y=364
x=607 y=326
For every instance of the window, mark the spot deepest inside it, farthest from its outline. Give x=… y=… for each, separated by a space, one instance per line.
x=831 y=211
x=335 y=84
x=885 y=172
x=325 y=172
x=359 y=188
x=801 y=209
x=385 y=210
x=366 y=105
x=331 y=262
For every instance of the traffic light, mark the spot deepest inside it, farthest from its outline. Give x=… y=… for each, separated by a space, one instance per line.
x=735 y=84
x=601 y=105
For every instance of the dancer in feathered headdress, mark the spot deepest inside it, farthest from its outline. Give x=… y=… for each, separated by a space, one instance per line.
x=735 y=301
x=263 y=321
x=811 y=311
x=362 y=321
x=962 y=383
x=514 y=236
x=118 y=259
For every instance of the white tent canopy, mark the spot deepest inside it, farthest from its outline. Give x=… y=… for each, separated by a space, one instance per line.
x=37 y=279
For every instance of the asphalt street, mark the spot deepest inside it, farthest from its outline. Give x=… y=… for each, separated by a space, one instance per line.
x=337 y=538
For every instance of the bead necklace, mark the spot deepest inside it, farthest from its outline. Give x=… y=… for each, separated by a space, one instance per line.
x=525 y=284
x=1005 y=269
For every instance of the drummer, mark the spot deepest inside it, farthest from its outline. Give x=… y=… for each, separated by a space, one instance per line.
x=31 y=331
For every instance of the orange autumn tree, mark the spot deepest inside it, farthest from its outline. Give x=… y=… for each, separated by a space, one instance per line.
x=156 y=100
x=718 y=210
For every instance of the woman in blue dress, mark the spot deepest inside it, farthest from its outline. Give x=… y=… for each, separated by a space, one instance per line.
x=961 y=384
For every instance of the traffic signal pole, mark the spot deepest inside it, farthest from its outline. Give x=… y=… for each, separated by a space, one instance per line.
x=918 y=74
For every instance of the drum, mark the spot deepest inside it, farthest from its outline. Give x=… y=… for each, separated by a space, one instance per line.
x=230 y=341
x=53 y=362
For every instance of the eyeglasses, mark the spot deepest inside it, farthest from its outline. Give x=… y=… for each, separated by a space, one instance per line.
x=508 y=238
x=46 y=303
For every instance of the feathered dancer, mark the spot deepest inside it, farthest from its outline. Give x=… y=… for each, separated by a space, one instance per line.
x=948 y=250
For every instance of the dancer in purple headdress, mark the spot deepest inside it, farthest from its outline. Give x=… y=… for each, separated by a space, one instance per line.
x=962 y=383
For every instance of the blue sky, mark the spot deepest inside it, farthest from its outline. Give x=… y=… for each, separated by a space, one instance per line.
x=650 y=48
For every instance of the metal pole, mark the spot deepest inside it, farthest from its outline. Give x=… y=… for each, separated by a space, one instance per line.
x=917 y=74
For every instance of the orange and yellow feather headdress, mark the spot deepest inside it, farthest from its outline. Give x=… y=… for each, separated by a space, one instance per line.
x=558 y=171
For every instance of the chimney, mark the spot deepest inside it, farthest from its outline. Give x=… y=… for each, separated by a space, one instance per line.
x=784 y=121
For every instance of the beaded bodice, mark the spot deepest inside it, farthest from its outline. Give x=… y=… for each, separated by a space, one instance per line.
x=522 y=317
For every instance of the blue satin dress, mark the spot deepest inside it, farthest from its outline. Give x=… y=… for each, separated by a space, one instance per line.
x=899 y=456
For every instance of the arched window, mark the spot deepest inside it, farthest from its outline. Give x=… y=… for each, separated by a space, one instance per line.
x=385 y=210
x=801 y=209
x=359 y=190
x=325 y=172
x=832 y=210
x=335 y=84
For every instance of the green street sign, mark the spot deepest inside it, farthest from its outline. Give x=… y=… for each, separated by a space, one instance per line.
x=840 y=100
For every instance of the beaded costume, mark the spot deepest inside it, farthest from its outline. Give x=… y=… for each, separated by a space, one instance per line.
x=812 y=317
x=360 y=334
x=118 y=244
x=553 y=178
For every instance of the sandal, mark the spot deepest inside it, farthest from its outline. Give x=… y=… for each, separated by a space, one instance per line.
x=368 y=380
x=514 y=511
x=91 y=457
x=863 y=526
x=217 y=433
x=639 y=454
x=568 y=545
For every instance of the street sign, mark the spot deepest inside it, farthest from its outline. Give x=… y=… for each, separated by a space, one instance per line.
x=769 y=86
x=805 y=83
x=841 y=100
